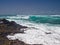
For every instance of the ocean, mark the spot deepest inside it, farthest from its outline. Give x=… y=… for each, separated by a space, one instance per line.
x=38 y=25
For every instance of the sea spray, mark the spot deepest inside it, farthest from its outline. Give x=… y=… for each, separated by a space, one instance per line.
x=42 y=29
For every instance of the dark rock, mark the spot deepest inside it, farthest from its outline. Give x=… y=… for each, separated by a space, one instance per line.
x=48 y=32
x=1 y=42
x=4 y=21
x=17 y=42
x=10 y=27
x=7 y=27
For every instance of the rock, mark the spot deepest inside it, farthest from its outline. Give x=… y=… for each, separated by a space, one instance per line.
x=4 y=21
x=17 y=42
x=48 y=33
x=10 y=27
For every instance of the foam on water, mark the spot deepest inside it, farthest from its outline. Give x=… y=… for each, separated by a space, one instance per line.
x=36 y=33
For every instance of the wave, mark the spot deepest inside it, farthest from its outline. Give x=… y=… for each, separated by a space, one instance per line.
x=50 y=19
x=45 y=19
x=37 y=32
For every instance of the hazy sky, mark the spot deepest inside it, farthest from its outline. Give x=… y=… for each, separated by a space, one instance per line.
x=29 y=7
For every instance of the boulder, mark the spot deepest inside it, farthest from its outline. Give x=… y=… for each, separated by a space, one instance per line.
x=10 y=26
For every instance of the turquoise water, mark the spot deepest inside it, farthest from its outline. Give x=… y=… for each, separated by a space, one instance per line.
x=50 y=19
x=45 y=19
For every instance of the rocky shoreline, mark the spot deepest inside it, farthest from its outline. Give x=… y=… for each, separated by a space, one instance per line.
x=10 y=28
x=7 y=28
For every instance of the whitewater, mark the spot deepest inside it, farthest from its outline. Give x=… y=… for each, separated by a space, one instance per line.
x=41 y=29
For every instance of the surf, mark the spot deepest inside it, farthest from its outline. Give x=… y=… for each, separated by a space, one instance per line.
x=42 y=29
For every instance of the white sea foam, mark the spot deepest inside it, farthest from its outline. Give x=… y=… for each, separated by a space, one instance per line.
x=19 y=17
x=37 y=33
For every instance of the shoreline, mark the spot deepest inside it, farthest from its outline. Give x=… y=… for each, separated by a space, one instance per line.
x=5 y=29
x=33 y=35
x=9 y=27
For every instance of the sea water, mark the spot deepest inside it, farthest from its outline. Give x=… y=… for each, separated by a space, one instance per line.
x=39 y=27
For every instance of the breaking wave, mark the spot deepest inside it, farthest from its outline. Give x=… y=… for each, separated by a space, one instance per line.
x=38 y=26
x=45 y=19
x=51 y=19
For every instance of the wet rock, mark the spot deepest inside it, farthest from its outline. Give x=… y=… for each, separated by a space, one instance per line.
x=16 y=42
x=48 y=33
x=9 y=27
x=4 y=21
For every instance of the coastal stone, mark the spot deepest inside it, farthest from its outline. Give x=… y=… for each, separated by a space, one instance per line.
x=16 y=42
x=4 y=21
x=10 y=27
x=48 y=32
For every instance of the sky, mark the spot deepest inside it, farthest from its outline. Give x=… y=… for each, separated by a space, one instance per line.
x=30 y=7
